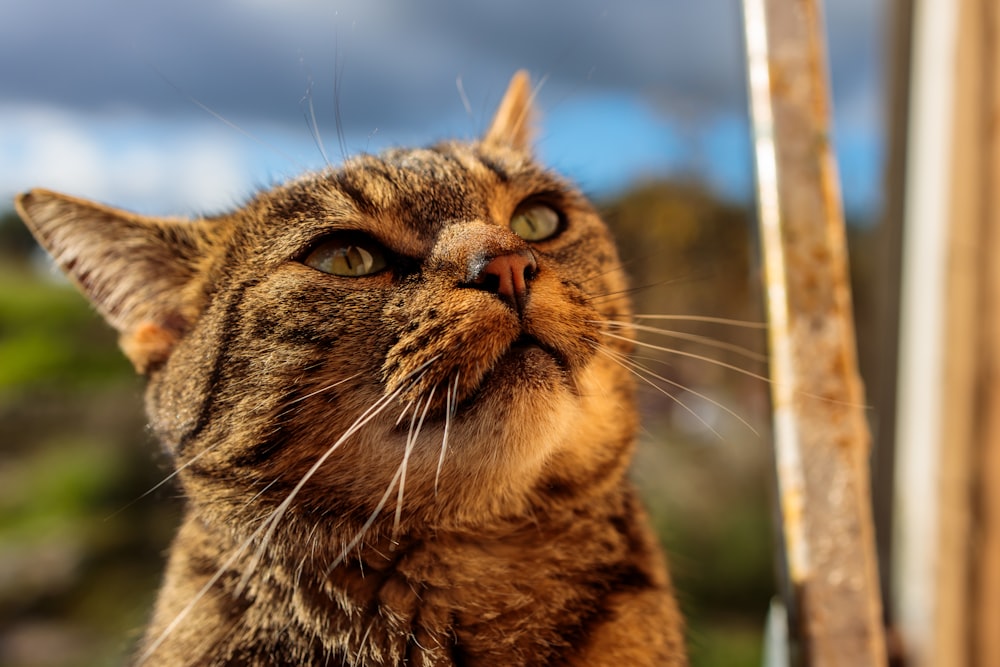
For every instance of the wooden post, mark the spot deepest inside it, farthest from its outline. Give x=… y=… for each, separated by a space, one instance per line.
x=946 y=561
x=821 y=437
x=968 y=624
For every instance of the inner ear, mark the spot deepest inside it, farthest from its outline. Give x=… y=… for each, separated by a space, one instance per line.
x=512 y=124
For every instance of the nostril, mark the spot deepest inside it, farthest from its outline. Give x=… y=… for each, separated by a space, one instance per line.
x=508 y=276
x=530 y=270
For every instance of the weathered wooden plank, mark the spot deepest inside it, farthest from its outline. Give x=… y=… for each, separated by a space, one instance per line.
x=821 y=436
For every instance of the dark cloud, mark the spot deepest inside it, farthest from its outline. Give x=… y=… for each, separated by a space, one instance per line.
x=393 y=62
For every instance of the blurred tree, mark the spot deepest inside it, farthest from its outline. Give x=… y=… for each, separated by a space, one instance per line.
x=16 y=242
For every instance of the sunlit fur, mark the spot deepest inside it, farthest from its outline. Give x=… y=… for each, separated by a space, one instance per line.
x=399 y=468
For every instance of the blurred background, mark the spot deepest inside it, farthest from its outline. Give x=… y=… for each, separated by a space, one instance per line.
x=188 y=107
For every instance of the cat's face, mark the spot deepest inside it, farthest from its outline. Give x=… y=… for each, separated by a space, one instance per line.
x=427 y=319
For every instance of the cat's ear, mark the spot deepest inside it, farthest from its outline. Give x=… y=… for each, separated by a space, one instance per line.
x=132 y=268
x=512 y=124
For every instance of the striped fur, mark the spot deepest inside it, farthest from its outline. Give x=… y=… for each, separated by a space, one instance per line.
x=399 y=468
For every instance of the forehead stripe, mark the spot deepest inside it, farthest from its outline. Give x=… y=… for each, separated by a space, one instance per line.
x=501 y=173
x=355 y=191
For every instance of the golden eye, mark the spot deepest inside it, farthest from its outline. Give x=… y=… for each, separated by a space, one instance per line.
x=347 y=257
x=536 y=222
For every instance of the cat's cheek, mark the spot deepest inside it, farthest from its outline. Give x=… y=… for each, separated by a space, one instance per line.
x=561 y=318
x=511 y=439
x=578 y=469
x=177 y=397
x=607 y=395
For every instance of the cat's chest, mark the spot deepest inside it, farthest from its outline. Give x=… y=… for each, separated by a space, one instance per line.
x=422 y=607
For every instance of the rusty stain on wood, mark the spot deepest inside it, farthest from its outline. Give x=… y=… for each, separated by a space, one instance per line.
x=821 y=436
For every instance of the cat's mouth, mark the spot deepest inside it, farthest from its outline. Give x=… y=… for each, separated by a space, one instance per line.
x=526 y=362
x=526 y=344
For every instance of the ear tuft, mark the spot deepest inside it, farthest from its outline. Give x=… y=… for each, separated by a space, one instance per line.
x=512 y=124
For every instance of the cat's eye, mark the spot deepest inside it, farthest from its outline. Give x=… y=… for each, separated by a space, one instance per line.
x=535 y=222
x=345 y=256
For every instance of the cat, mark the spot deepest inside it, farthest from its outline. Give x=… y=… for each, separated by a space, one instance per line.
x=396 y=397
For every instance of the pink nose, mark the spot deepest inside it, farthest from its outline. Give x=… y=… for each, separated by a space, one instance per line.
x=508 y=276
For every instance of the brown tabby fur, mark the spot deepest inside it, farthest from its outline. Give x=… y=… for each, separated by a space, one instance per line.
x=515 y=540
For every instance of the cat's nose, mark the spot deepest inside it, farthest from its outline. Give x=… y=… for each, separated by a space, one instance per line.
x=508 y=276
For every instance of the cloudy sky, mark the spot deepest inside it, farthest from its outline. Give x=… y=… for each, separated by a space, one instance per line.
x=188 y=106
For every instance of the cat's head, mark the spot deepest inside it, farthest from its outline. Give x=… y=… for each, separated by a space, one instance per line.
x=429 y=318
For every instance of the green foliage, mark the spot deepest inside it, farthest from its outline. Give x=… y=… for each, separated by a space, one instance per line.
x=44 y=495
x=49 y=336
x=726 y=644
x=76 y=574
x=16 y=242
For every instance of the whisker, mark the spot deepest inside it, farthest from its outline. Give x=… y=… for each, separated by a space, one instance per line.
x=374 y=410
x=208 y=450
x=338 y=73
x=260 y=493
x=402 y=413
x=368 y=522
x=642 y=369
x=279 y=512
x=163 y=481
x=215 y=114
x=463 y=96
x=621 y=361
x=632 y=289
x=652 y=358
x=449 y=413
x=706 y=318
x=202 y=592
x=597 y=299
x=598 y=274
x=323 y=389
x=411 y=441
x=364 y=638
x=694 y=338
x=691 y=355
x=310 y=114
x=737 y=369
